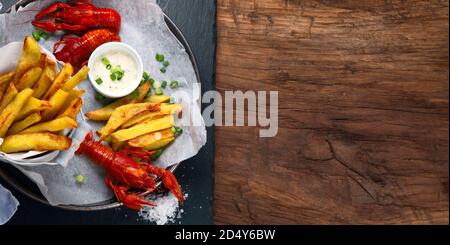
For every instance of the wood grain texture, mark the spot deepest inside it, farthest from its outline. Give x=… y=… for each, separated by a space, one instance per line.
x=363 y=89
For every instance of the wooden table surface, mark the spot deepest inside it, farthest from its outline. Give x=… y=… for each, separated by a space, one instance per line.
x=363 y=112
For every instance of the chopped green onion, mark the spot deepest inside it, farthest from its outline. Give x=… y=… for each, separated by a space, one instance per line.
x=99 y=81
x=159 y=57
x=145 y=76
x=152 y=81
x=163 y=70
x=108 y=66
x=158 y=91
x=36 y=35
x=157 y=154
x=113 y=77
x=117 y=69
x=105 y=61
x=119 y=76
x=166 y=63
x=178 y=130
x=99 y=97
x=174 y=84
x=43 y=34
x=79 y=179
x=164 y=84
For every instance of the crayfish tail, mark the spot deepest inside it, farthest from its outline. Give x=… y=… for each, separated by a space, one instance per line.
x=84 y=144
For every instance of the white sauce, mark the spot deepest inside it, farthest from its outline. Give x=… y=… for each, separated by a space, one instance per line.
x=116 y=58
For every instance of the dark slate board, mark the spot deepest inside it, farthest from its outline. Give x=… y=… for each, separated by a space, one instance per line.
x=196 y=19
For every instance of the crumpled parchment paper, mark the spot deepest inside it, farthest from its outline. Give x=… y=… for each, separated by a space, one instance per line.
x=144 y=28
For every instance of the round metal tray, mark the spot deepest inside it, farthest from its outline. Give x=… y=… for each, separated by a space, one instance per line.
x=20 y=182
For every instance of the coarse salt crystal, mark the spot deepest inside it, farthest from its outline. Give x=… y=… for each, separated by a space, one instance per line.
x=165 y=211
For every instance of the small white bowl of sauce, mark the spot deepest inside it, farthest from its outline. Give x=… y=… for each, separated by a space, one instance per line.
x=115 y=69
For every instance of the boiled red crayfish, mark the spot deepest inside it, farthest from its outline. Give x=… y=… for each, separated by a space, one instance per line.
x=126 y=175
x=77 y=50
x=77 y=17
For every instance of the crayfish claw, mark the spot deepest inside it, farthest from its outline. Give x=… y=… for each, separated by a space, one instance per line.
x=51 y=9
x=129 y=200
x=170 y=182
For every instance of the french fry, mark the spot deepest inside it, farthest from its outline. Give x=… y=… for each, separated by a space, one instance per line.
x=45 y=81
x=73 y=95
x=31 y=54
x=29 y=79
x=123 y=114
x=77 y=79
x=35 y=141
x=158 y=99
x=8 y=96
x=73 y=109
x=144 y=128
x=59 y=81
x=42 y=61
x=8 y=115
x=4 y=83
x=153 y=141
x=165 y=109
x=6 y=78
x=105 y=113
x=57 y=102
x=52 y=126
x=33 y=105
x=10 y=93
x=25 y=123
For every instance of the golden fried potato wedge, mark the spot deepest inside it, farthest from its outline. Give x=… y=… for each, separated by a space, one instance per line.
x=31 y=55
x=25 y=123
x=45 y=81
x=105 y=113
x=123 y=114
x=144 y=128
x=35 y=141
x=57 y=102
x=59 y=81
x=5 y=79
x=42 y=61
x=77 y=79
x=11 y=111
x=10 y=93
x=153 y=141
x=52 y=126
x=73 y=109
x=165 y=109
x=73 y=95
x=158 y=99
x=33 y=105
x=29 y=79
